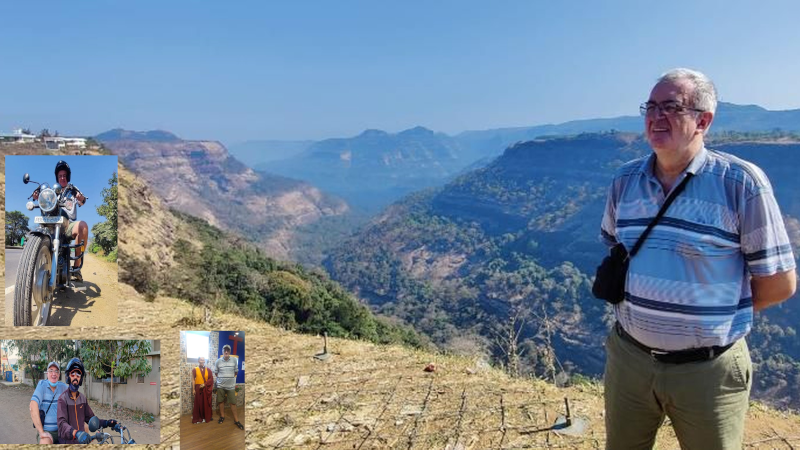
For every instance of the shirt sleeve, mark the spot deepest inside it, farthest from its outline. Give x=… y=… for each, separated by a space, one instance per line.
x=764 y=240
x=608 y=226
x=38 y=394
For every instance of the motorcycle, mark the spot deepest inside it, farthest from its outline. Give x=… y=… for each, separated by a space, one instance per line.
x=105 y=438
x=44 y=265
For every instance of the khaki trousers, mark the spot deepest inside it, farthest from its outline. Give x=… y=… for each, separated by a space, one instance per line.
x=706 y=401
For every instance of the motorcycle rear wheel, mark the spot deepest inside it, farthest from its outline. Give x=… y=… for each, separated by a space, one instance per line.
x=33 y=277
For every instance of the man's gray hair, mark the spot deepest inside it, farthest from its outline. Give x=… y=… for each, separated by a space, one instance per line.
x=704 y=96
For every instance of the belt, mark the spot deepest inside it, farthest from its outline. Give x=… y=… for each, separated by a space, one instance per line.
x=678 y=356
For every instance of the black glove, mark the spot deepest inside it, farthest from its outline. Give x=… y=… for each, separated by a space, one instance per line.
x=83 y=437
x=112 y=423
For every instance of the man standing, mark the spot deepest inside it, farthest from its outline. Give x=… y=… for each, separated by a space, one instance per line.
x=203 y=384
x=226 y=370
x=719 y=253
x=74 y=411
x=44 y=398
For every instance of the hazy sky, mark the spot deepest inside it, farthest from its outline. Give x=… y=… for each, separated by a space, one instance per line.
x=234 y=71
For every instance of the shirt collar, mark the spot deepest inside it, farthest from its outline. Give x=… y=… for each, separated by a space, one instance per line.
x=697 y=163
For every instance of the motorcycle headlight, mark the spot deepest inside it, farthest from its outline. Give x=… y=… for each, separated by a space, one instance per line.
x=47 y=200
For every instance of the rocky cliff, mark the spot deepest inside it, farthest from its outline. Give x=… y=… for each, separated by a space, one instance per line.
x=200 y=178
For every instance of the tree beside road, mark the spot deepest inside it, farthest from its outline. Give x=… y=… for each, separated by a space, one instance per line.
x=16 y=227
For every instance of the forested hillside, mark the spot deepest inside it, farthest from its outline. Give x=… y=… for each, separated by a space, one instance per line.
x=165 y=252
x=511 y=249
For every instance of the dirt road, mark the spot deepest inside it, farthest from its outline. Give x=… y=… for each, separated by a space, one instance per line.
x=17 y=427
x=95 y=306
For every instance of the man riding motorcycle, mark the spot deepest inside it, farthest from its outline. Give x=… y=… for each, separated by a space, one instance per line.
x=77 y=229
x=73 y=409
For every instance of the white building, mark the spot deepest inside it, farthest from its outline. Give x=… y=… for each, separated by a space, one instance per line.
x=57 y=142
x=17 y=136
x=75 y=142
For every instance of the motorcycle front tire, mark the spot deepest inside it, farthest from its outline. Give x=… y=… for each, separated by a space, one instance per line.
x=34 y=267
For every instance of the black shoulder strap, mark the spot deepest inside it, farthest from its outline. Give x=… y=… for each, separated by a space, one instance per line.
x=51 y=402
x=660 y=214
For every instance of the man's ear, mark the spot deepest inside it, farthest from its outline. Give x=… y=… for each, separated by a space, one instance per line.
x=704 y=121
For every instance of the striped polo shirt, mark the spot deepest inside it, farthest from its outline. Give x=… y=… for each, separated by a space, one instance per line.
x=226 y=372
x=48 y=402
x=689 y=284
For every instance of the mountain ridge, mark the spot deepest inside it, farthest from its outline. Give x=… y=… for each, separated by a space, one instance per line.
x=201 y=178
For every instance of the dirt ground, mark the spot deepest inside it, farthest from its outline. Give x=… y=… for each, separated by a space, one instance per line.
x=17 y=427
x=95 y=306
x=377 y=397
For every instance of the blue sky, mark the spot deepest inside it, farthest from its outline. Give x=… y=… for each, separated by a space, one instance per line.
x=235 y=71
x=89 y=173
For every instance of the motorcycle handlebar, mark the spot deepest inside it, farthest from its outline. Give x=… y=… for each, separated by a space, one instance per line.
x=78 y=191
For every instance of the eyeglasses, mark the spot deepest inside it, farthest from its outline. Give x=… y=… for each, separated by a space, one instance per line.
x=75 y=373
x=54 y=371
x=668 y=108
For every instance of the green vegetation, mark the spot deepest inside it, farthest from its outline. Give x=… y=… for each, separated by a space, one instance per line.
x=524 y=233
x=109 y=359
x=724 y=137
x=36 y=354
x=105 y=233
x=499 y=278
x=212 y=267
x=142 y=416
x=16 y=227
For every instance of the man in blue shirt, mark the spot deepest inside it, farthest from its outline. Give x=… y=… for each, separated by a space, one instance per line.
x=45 y=397
x=719 y=253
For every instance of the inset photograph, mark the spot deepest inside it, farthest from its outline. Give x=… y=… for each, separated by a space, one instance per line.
x=212 y=389
x=61 y=240
x=81 y=392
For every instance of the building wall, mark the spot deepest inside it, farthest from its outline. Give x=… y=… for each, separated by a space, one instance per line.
x=132 y=395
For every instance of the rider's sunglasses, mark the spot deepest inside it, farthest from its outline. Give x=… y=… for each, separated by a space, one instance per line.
x=75 y=372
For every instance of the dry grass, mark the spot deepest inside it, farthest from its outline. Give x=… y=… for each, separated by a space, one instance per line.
x=368 y=396
x=375 y=397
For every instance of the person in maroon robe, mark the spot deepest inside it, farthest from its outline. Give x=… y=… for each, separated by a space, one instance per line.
x=203 y=383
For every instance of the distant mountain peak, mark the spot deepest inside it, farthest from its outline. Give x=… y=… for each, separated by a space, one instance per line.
x=373 y=133
x=411 y=132
x=416 y=131
x=120 y=134
x=725 y=106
